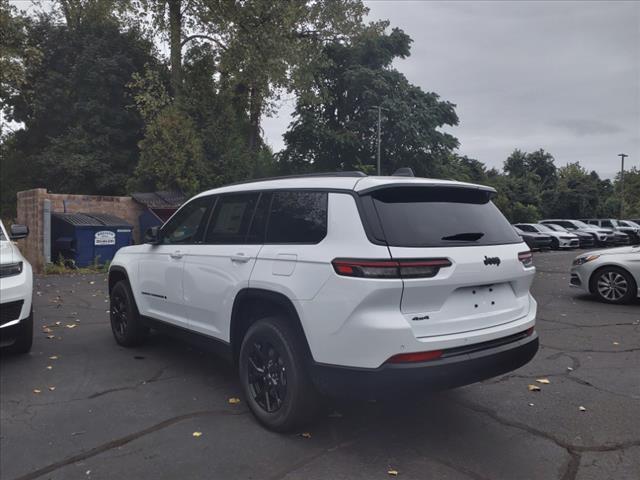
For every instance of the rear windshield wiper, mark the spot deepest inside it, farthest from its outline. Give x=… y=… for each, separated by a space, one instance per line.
x=465 y=237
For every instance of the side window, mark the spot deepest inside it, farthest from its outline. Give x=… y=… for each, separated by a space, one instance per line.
x=297 y=217
x=607 y=223
x=231 y=218
x=187 y=225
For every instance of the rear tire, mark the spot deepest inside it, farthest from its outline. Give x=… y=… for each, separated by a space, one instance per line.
x=613 y=285
x=273 y=373
x=126 y=324
x=24 y=336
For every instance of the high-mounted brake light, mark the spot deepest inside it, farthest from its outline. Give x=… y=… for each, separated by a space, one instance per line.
x=415 y=357
x=406 y=268
x=526 y=258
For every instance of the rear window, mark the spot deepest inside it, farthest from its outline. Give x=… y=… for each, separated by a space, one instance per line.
x=441 y=217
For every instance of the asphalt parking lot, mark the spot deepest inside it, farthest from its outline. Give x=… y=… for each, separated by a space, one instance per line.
x=105 y=412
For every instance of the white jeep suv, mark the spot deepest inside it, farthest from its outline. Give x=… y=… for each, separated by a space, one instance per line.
x=336 y=284
x=16 y=290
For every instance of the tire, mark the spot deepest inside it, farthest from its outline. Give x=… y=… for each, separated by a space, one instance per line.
x=126 y=324
x=613 y=285
x=273 y=373
x=555 y=244
x=24 y=336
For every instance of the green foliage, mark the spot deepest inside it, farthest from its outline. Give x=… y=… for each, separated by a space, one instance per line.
x=336 y=128
x=171 y=155
x=78 y=135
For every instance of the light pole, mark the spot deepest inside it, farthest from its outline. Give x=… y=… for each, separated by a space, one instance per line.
x=622 y=157
x=379 y=108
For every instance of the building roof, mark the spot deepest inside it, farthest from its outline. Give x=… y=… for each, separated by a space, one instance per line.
x=165 y=199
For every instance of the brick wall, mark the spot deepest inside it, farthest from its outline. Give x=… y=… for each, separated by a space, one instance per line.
x=30 y=213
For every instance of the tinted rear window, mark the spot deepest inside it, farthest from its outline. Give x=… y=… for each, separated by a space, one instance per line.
x=441 y=217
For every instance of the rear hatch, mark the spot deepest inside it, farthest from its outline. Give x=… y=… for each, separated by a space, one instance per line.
x=486 y=283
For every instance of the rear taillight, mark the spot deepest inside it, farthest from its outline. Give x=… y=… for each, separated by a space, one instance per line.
x=526 y=258
x=406 y=268
x=415 y=357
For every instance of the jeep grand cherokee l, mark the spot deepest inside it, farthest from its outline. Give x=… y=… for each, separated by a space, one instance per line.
x=336 y=284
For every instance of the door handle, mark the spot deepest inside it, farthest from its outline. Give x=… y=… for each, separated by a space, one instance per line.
x=240 y=258
x=177 y=254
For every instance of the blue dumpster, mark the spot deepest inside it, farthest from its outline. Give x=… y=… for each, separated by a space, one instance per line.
x=88 y=238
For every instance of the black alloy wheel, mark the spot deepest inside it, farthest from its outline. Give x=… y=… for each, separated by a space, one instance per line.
x=126 y=324
x=267 y=376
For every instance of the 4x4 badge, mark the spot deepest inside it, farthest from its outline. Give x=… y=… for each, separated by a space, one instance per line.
x=492 y=261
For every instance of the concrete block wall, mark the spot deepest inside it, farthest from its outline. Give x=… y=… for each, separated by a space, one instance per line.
x=30 y=213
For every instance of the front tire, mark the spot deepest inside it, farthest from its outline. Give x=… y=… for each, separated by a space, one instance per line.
x=613 y=285
x=273 y=374
x=126 y=324
x=24 y=336
x=555 y=244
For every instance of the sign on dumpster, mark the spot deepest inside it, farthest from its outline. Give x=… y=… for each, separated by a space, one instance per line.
x=104 y=237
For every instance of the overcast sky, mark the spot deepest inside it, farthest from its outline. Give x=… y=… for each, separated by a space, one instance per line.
x=563 y=76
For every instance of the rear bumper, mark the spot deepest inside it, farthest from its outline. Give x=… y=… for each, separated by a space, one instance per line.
x=456 y=368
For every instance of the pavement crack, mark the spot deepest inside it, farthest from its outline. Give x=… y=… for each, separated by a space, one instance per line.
x=105 y=447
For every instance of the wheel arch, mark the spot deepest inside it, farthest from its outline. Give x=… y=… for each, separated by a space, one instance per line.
x=116 y=274
x=252 y=304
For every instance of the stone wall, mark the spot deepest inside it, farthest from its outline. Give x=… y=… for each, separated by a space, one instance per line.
x=30 y=213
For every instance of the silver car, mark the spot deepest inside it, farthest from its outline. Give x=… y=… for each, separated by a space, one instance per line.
x=612 y=275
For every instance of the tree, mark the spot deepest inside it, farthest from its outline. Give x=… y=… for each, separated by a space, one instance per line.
x=78 y=133
x=335 y=129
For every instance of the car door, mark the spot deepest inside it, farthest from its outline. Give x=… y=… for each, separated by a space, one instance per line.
x=220 y=266
x=160 y=267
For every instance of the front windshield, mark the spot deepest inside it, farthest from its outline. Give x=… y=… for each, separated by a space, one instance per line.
x=544 y=228
x=578 y=223
x=629 y=223
x=2 y=237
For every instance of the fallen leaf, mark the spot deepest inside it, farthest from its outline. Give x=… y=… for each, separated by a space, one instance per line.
x=58 y=323
x=234 y=400
x=582 y=409
x=197 y=434
x=71 y=325
x=305 y=435
x=393 y=473
x=616 y=343
x=53 y=357
x=532 y=404
x=91 y=282
x=544 y=381
x=52 y=389
x=570 y=369
x=49 y=367
x=51 y=336
x=36 y=390
x=533 y=388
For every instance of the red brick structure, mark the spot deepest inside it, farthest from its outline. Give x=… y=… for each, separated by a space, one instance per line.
x=31 y=213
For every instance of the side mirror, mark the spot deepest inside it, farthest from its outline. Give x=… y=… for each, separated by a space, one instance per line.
x=18 y=231
x=152 y=235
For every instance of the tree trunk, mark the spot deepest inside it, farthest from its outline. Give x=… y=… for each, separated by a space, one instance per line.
x=175 y=39
x=255 y=112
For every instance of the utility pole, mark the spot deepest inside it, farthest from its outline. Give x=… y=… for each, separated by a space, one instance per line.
x=379 y=108
x=622 y=157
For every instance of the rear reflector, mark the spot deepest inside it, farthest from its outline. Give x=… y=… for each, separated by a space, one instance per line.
x=526 y=258
x=415 y=357
x=406 y=268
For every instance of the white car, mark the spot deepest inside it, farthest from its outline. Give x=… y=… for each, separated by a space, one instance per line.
x=559 y=239
x=339 y=283
x=612 y=275
x=16 y=290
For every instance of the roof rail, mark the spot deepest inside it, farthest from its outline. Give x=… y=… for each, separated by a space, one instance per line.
x=353 y=173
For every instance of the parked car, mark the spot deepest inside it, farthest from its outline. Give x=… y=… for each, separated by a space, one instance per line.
x=535 y=241
x=586 y=239
x=602 y=236
x=611 y=275
x=16 y=290
x=341 y=283
x=558 y=240
x=632 y=232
